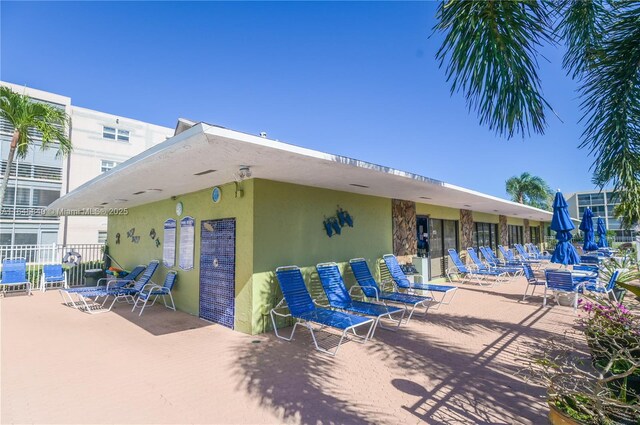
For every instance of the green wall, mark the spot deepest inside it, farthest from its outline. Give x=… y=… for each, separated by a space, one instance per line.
x=200 y=207
x=277 y=224
x=288 y=230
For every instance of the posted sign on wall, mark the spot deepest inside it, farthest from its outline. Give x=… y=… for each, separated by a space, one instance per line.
x=187 y=243
x=169 y=246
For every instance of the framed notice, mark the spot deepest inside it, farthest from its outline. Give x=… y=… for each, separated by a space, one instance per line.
x=169 y=245
x=187 y=242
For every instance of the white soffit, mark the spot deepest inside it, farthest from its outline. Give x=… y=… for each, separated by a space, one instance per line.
x=172 y=166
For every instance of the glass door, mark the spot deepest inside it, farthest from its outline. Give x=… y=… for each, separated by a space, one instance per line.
x=443 y=235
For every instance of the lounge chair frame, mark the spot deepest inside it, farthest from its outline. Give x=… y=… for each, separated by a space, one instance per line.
x=397 y=275
x=337 y=279
x=379 y=295
x=282 y=305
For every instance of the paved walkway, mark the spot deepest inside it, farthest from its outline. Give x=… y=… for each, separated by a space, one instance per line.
x=455 y=366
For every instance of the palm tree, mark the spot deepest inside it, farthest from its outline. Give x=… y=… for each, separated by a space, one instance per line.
x=530 y=190
x=491 y=50
x=32 y=122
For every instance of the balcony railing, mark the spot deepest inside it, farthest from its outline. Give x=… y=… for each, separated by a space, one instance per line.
x=32 y=171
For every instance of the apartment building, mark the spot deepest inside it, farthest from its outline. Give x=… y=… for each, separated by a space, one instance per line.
x=601 y=203
x=100 y=142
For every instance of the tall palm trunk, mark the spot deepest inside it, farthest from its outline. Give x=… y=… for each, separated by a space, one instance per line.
x=7 y=171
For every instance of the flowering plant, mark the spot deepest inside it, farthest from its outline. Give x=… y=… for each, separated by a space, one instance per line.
x=601 y=387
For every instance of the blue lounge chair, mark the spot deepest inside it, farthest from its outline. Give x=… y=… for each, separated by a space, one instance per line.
x=102 y=284
x=590 y=259
x=524 y=255
x=370 y=288
x=14 y=276
x=468 y=274
x=339 y=298
x=401 y=282
x=53 y=274
x=112 y=283
x=155 y=291
x=492 y=260
x=87 y=298
x=500 y=271
x=607 y=289
x=302 y=308
x=562 y=281
x=532 y=280
x=511 y=258
x=535 y=251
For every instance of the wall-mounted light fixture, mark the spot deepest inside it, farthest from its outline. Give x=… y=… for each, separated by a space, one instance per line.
x=244 y=172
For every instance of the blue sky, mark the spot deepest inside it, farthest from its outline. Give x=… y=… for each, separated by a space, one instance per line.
x=356 y=79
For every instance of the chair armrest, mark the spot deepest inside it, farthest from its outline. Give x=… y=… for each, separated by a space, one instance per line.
x=385 y=283
x=275 y=309
x=150 y=287
x=118 y=283
x=321 y=305
x=362 y=291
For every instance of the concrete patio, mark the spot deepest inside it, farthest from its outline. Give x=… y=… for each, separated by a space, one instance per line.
x=457 y=365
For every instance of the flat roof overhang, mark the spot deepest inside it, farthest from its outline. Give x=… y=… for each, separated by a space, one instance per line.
x=182 y=165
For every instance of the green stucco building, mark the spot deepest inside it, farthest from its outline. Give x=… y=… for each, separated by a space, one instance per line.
x=253 y=204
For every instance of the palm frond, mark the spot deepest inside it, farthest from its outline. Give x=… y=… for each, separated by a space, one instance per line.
x=491 y=50
x=582 y=28
x=611 y=106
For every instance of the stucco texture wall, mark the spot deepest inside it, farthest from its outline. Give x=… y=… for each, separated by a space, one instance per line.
x=200 y=207
x=288 y=230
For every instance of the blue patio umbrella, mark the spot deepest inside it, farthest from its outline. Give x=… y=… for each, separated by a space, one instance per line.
x=587 y=227
x=561 y=223
x=602 y=234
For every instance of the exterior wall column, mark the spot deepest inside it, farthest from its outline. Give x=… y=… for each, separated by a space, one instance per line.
x=527 y=231
x=503 y=230
x=405 y=240
x=466 y=230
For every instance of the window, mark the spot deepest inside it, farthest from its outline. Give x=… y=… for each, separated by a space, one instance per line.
x=485 y=234
x=535 y=235
x=42 y=198
x=613 y=198
x=26 y=239
x=597 y=199
x=22 y=199
x=584 y=199
x=102 y=237
x=515 y=234
x=123 y=135
x=113 y=133
x=106 y=165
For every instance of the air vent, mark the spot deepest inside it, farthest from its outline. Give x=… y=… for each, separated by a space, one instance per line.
x=120 y=200
x=104 y=203
x=202 y=173
x=424 y=197
x=358 y=185
x=467 y=205
x=139 y=193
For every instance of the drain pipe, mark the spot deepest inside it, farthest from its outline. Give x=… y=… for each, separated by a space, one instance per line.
x=66 y=217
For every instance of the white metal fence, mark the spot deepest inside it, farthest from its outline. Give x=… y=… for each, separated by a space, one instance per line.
x=76 y=259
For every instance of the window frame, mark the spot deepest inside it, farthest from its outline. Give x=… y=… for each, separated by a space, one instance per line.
x=111 y=161
x=116 y=134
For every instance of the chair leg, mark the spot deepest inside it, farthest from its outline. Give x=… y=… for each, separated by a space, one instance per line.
x=398 y=322
x=544 y=301
x=275 y=328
